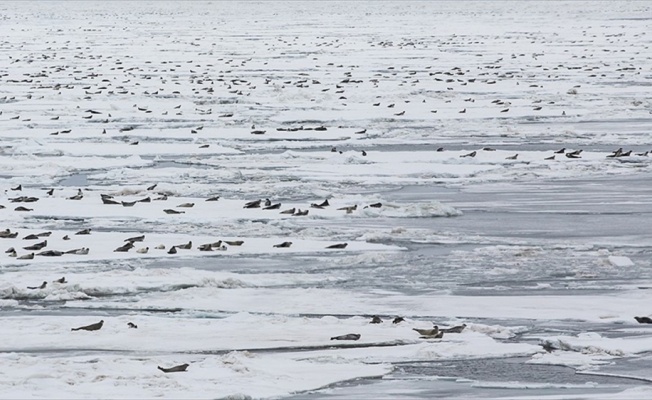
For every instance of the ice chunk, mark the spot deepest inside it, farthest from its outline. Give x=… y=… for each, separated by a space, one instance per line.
x=620 y=261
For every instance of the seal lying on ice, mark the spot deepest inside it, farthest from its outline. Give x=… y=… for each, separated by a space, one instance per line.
x=177 y=368
x=350 y=336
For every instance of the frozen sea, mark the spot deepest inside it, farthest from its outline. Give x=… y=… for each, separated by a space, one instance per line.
x=477 y=163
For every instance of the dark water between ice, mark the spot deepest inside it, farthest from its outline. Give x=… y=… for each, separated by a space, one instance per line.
x=609 y=212
x=483 y=378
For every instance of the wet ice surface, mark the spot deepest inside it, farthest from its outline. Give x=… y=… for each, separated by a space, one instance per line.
x=167 y=107
x=484 y=378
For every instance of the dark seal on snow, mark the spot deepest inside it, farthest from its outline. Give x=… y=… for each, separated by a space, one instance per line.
x=350 y=336
x=177 y=368
x=92 y=327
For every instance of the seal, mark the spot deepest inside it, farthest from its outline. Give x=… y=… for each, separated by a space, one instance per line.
x=349 y=209
x=177 y=368
x=272 y=206
x=300 y=213
x=132 y=325
x=548 y=346
x=170 y=211
x=234 y=242
x=337 y=246
x=186 y=246
x=323 y=204
x=643 y=320
x=427 y=332
x=51 y=253
x=205 y=247
x=135 y=239
x=471 y=154
x=43 y=285
x=61 y=280
x=398 y=320
x=454 y=329
x=78 y=196
x=37 y=246
x=350 y=336
x=6 y=234
x=29 y=256
x=253 y=204
x=173 y=250
x=512 y=157
x=86 y=231
x=92 y=327
x=186 y=205
x=290 y=211
x=80 y=252
x=142 y=250
x=283 y=245
x=125 y=247
x=376 y=320
x=24 y=199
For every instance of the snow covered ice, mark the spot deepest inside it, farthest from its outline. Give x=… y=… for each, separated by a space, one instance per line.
x=297 y=168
